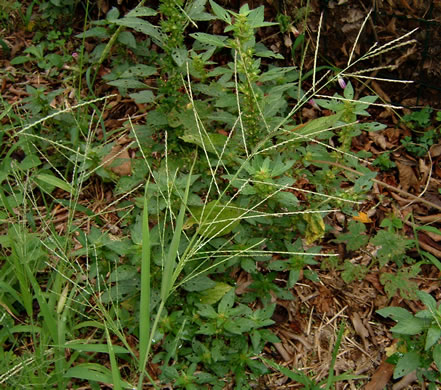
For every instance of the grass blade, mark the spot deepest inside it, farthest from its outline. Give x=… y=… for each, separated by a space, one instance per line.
x=144 y=307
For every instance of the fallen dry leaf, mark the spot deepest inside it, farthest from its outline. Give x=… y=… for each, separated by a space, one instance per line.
x=381 y=377
x=362 y=217
x=408 y=178
x=118 y=161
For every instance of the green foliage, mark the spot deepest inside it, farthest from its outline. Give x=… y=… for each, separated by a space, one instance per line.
x=419 y=340
x=423 y=137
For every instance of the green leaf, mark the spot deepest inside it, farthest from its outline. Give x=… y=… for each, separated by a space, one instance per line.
x=401 y=282
x=94 y=32
x=123 y=272
x=139 y=70
x=208 y=39
x=145 y=96
x=256 y=18
x=196 y=11
x=127 y=83
x=428 y=300
x=93 y=372
x=286 y=199
x=55 y=182
x=141 y=11
x=29 y=162
x=316 y=126
x=216 y=293
x=396 y=313
x=20 y=60
x=355 y=237
x=100 y=348
x=406 y=364
x=437 y=356
x=227 y=301
x=214 y=219
x=199 y=283
x=409 y=326
x=433 y=335
x=141 y=26
x=220 y=12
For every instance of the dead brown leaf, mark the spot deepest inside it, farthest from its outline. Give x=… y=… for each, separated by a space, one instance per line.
x=118 y=161
x=381 y=377
x=407 y=176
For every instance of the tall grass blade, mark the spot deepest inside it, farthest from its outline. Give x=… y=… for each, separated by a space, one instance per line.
x=170 y=262
x=113 y=364
x=144 y=306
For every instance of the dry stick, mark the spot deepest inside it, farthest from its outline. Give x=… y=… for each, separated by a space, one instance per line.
x=381 y=183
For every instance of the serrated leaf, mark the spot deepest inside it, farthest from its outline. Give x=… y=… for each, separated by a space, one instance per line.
x=406 y=364
x=208 y=39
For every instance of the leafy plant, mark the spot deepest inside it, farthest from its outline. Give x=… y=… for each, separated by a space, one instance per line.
x=419 y=335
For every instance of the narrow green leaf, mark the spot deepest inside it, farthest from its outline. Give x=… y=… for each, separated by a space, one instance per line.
x=299 y=377
x=168 y=276
x=93 y=372
x=82 y=345
x=55 y=182
x=116 y=378
x=144 y=311
x=127 y=84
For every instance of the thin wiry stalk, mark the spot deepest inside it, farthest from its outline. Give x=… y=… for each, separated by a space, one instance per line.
x=316 y=52
x=68 y=109
x=358 y=36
